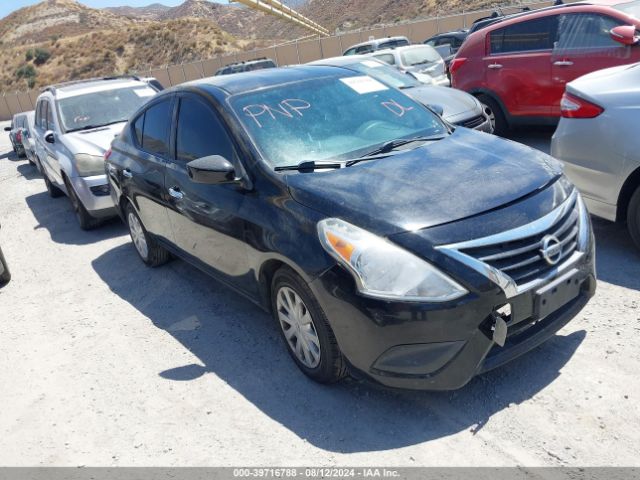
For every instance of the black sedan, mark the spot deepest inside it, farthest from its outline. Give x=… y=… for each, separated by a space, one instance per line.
x=385 y=244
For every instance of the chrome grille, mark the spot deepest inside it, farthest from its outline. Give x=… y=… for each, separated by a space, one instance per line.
x=522 y=259
x=514 y=259
x=472 y=122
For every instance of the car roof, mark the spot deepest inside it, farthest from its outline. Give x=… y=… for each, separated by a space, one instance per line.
x=375 y=41
x=343 y=60
x=81 y=87
x=402 y=49
x=238 y=83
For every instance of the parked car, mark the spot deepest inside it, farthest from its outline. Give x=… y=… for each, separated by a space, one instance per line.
x=383 y=243
x=28 y=142
x=419 y=61
x=373 y=45
x=520 y=66
x=5 y=275
x=248 y=66
x=598 y=142
x=454 y=39
x=455 y=106
x=74 y=125
x=16 y=131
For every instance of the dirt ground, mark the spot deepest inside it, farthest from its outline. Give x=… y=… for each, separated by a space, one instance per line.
x=106 y=362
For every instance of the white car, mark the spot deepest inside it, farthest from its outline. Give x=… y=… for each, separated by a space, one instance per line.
x=420 y=61
x=75 y=123
x=597 y=140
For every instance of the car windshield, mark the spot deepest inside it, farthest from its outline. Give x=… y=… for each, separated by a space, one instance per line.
x=630 y=8
x=102 y=108
x=330 y=118
x=385 y=74
x=419 y=55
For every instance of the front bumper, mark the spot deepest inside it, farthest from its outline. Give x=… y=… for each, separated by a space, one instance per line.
x=93 y=192
x=441 y=347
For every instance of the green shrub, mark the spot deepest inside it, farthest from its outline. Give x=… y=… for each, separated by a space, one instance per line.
x=26 y=71
x=41 y=55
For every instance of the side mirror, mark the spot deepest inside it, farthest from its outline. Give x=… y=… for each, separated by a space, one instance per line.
x=437 y=108
x=7 y=129
x=49 y=137
x=625 y=34
x=213 y=169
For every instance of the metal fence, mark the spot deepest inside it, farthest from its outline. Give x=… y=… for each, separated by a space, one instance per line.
x=286 y=54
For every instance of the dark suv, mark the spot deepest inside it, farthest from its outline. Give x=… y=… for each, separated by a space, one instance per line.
x=519 y=66
x=384 y=243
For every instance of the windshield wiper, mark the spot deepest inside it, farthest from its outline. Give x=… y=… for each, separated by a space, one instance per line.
x=310 y=165
x=91 y=127
x=387 y=147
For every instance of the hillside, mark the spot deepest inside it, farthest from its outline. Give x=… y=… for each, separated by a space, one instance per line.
x=134 y=46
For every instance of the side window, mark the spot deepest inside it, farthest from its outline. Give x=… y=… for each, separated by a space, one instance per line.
x=538 y=34
x=364 y=49
x=38 y=120
x=50 y=123
x=137 y=130
x=586 y=30
x=155 y=135
x=199 y=132
x=387 y=58
x=351 y=51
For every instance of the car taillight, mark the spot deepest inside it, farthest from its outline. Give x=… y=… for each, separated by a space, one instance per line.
x=572 y=106
x=107 y=154
x=19 y=135
x=455 y=64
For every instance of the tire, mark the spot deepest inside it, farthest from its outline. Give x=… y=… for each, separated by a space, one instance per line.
x=501 y=126
x=633 y=217
x=54 y=192
x=86 y=221
x=324 y=364
x=5 y=276
x=154 y=254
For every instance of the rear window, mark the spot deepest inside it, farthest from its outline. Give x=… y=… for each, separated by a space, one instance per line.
x=538 y=34
x=393 y=44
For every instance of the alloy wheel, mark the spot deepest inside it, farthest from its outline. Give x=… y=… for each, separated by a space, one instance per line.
x=298 y=327
x=490 y=115
x=138 y=236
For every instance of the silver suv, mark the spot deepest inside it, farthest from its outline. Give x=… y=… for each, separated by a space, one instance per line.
x=74 y=125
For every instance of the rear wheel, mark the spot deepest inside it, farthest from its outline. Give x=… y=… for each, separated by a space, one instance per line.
x=633 y=217
x=305 y=328
x=495 y=114
x=86 y=221
x=147 y=247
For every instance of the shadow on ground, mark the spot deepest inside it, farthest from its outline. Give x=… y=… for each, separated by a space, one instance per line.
x=56 y=215
x=617 y=258
x=29 y=172
x=239 y=343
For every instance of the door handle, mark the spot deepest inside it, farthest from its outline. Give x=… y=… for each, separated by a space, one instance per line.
x=495 y=66
x=176 y=193
x=563 y=63
x=126 y=173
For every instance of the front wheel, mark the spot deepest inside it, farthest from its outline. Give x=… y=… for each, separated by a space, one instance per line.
x=5 y=276
x=305 y=328
x=633 y=217
x=496 y=116
x=54 y=192
x=86 y=221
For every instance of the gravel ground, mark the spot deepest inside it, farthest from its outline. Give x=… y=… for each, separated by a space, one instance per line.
x=106 y=362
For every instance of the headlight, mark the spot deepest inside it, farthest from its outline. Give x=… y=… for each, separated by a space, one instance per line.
x=89 y=165
x=383 y=269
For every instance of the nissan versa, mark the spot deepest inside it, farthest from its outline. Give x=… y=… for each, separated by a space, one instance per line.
x=385 y=243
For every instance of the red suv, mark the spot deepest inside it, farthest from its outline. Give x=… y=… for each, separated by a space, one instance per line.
x=519 y=66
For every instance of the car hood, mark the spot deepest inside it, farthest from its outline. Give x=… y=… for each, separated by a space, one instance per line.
x=93 y=142
x=463 y=175
x=453 y=102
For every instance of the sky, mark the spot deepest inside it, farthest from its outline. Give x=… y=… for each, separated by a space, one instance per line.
x=8 y=6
